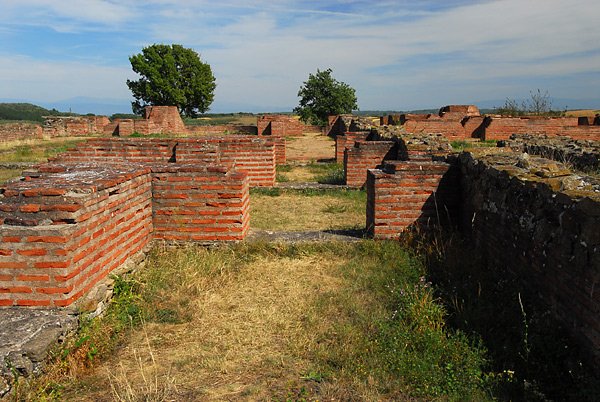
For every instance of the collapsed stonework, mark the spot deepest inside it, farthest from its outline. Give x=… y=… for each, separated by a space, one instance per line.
x=463 y=122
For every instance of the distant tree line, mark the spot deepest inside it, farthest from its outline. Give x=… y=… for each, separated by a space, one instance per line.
x=27 y=112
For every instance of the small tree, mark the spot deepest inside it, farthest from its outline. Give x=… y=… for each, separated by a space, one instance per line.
x=171 y=75
x=322 y=96
x=538 y=105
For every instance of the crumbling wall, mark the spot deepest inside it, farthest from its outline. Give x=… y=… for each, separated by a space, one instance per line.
x=278 y=125
x=74 y=126
x=20 y=131
x=581 y=154
x=539 y=221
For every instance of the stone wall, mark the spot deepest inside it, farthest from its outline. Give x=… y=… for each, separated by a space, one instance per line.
x=581 y=154
x=20 y=131
x=278 y=125
x=541 y=222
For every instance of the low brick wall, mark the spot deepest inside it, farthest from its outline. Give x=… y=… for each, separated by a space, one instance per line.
x=65 y=231
x=366 y=155
x=278 y=125
x=74 y=126
x=199 y=203
x=63 y=228
x=347 y=140
x=252 y=154
x=541 y=223
x=408 y=193
x=20 y=131
x=222 y=129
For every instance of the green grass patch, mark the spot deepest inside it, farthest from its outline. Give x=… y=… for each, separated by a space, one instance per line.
x=462 y=145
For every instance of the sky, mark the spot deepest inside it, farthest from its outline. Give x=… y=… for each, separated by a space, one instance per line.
x=398 y=55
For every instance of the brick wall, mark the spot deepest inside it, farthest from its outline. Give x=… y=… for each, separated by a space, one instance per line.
x=278 y=125
x=222 y=129
x=347 y=140
x=366 y=155
x=499 y=128
x=74 y=126
x=541 y=223
x=64 y=228
x=19 y=131
x=408 y=193
x=65 y=231
x=252 y=154
x=199 y=203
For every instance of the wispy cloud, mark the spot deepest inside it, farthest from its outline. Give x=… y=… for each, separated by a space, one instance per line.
x=402 y=52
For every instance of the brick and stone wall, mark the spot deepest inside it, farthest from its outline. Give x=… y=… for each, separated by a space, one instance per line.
x=540 y=222
x=366 y=155
x=278 y=125
x=347 y=140
x=463 y=122
x=20 y=131
x=222 y=129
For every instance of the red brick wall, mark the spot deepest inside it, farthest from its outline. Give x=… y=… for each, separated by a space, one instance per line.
x=74 y=125
x=499 y=128
x=252 y=154
x=19 y=131
x=64 y=232
x=405 y=194
x=167 y=118
x=65 y=228
x=278 y=125
x=346 y=140
x=199 y=203
x=223 y=129
x=366 y=155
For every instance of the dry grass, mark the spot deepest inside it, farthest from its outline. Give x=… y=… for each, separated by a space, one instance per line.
x=582 y=113
x=256 y=332
x=7 y=174
x=289 y=212
x=38 y=150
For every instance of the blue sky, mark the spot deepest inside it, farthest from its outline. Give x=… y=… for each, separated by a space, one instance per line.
x=398 y=55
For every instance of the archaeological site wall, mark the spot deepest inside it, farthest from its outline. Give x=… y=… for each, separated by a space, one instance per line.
x=463 y=122
x=65 y=227
x=253 y=155
x=278 y=125
x=61 y=126
x=20 y=131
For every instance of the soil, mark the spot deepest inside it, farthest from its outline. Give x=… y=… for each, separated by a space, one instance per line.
x=310 y=147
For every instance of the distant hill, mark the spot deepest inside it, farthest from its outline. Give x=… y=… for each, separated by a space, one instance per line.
x=26 y=111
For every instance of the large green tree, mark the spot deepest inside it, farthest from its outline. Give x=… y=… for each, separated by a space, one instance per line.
x=322 y=96
x=171 y=75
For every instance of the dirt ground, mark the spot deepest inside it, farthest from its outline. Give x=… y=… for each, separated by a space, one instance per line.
x=310 y=147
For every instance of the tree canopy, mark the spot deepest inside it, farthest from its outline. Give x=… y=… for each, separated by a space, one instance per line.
x=322 y=96
x=171 y=75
